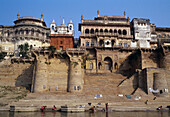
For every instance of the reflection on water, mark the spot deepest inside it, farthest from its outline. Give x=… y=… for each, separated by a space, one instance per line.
x=85 y=114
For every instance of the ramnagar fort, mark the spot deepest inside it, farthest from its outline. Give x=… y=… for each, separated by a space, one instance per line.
x=115 y=61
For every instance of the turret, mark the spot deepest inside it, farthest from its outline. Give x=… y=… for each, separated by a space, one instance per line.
x=125 y=14
x=53 y=27
x=18 y=16
x=97 y=13
x=42 y=17
x=81 y=18
x=70 y=25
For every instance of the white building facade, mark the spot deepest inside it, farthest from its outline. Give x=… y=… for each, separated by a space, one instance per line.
x=141 y=32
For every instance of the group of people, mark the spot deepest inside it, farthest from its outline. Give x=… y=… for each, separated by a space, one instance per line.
x=44 y=108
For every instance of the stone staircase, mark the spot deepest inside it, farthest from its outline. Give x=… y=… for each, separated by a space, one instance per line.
x=106 y=84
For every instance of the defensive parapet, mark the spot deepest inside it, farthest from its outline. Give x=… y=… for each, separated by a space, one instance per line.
x=40 y=75
x=75 y=81
x=164 y=56
x=160 y=84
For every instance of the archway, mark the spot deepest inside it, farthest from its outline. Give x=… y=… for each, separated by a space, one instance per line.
x=116 y=66
x=92 y=31
x=87 y=31
x=113 y=43
x=108 y=63
x=99 y=65
x=101 y=42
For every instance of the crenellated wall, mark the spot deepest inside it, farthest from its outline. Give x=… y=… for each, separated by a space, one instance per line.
x=76 y=76
x=149 y=59
x=76 y=81
x=165 y=61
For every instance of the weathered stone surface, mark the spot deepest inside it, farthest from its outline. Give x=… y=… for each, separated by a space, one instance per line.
x=51 y=74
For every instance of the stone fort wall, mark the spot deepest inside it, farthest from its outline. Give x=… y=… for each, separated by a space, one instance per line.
x=51 y=74
x=16 y=74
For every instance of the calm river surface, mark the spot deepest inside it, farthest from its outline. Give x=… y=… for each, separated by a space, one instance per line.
x=85 y=114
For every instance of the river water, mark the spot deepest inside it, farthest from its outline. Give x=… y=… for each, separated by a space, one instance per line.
x=85 y=114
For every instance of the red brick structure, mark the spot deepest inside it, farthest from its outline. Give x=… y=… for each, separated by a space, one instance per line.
x=62 y=41
x=62 y=36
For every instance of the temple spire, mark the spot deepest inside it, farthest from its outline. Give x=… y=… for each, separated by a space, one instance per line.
x=42 y=17
x=81 y=18
x=97 y=13
x=125 y=14
x=63 y=20
x=17 y=16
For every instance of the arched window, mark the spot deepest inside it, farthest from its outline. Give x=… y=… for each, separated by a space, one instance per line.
x=87 y=44
x=87 y=31
x=106 y=31
x=99 y=65
x=21 y=31
x=43 y=34
x=96 y=30
x=115 y=31
x=113 y=43
x=16 y=32
x=32 y=32
x=159 y=36
x=27 y=32
x=38 y=32
x=92 y=43
x=47 y=35
x=108 y=63
x=101 y=42
x=124 y=32
x=92 y=31
x=70 y=27
x=111 y=31
x=53 y=27
x=8 y=34
x=115 y=66
x=101 y=30
x=125 y=45
x=120 y=32
x=90 y=66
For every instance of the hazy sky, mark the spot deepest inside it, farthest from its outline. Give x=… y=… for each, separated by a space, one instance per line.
x=158 y=11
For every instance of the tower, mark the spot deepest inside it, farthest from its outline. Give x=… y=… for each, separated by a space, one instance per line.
x=53 y=27
x=70 y=27
x=42 y=17
x=17 y=16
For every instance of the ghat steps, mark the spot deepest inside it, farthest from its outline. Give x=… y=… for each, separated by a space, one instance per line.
x=94 y=84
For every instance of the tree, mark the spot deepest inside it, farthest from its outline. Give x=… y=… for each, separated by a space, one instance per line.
x=52 y=49
x=23 y=49
x=2 y=55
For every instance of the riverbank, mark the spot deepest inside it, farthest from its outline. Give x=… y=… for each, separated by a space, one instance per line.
x=114 y=106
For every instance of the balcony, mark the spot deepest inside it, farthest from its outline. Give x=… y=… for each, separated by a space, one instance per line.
x=153 y=40
x=105 y=34
x=76 y=50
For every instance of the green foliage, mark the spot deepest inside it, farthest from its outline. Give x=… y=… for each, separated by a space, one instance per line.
x=43 y=49
x=75 y=64
x=48 y=63
x=2 y=55
x=23 y=49
x=52 y=49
